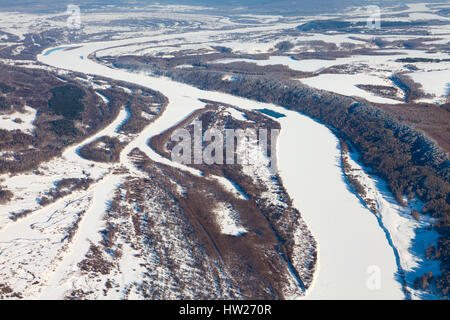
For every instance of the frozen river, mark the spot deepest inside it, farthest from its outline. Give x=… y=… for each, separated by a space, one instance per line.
x=355 y=259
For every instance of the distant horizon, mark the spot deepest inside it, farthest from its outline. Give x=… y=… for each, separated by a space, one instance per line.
x=288 y=7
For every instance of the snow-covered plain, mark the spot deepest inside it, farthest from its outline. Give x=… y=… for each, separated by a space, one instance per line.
x=19 y=120
x=434 y=82
x=345 y=84
x=88 y=233
x=299 y=65
x=350 y=240
x=375 y=70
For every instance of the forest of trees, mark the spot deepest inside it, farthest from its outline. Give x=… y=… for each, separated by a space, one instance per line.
x=5 y=195
x=64 y=187
x=411 y=89
x=352 y=27
x=104 y=149
x=282 y=219
x=66 y=113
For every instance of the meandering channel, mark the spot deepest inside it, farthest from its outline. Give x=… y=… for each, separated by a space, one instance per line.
x=351 y=244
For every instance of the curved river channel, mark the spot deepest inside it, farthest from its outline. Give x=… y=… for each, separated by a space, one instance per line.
x=353 y=250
